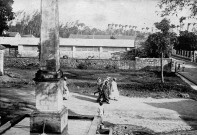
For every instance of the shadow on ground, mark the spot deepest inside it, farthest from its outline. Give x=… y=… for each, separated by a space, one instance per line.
x=187 y=109
x=86 y=97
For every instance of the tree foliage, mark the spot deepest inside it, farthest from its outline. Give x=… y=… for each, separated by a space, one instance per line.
x=160 y=42
x=155 y=44
x=164 y=25
x=186 y=41
x=171 y=7
x=6 y=14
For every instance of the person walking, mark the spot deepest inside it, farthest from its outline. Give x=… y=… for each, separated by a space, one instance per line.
x=99 y=86
x=105 y=91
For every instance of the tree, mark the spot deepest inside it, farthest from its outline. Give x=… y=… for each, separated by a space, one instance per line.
x=186 y=41
x=159 y=44
x=171 y=7
x=6 y=14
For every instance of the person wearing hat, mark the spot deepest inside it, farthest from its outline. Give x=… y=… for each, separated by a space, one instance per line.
x=65 y=89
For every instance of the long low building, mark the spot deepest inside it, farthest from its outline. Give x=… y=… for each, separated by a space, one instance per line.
x=74 y=48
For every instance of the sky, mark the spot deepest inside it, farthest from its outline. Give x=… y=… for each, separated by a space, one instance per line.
x=100 y=13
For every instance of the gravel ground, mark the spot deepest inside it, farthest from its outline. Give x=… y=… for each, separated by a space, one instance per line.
x=158 y=115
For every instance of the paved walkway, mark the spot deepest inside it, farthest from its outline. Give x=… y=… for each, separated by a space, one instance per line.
x=190 y=71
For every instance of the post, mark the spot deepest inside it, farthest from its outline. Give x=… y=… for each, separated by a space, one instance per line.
x=50 y=112
x=1 y=62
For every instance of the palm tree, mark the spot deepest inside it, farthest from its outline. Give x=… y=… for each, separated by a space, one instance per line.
x=143 y=30
x=172 y=27
x=152 y=29
x=177 y=27
x=119 y=29
x=193 y=29
x=116 y=26
x=135 y=27
x=182 y=26
x=123 y=29
x=188 y=26
x=81 y=27
x=181 y=21
x=94 y=30
x=126 y=28
x=147 y=28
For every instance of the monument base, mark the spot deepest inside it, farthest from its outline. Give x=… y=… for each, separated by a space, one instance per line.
x=49 y=122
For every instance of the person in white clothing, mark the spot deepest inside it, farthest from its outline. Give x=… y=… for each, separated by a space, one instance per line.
x=101 y=111
x=114 y=93
x=65 y=89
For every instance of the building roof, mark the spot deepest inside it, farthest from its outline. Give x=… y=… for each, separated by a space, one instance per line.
x=2 y=47
x=70 y=42
x=30 y=35
x=12 y=34
x=100 y=37
x=97 y=42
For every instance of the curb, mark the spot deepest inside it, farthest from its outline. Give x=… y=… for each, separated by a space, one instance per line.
x=11 y=123
x=187 y=78
x=96 y=121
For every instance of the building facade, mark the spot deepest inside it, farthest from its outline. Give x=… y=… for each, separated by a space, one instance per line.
x=72 y=48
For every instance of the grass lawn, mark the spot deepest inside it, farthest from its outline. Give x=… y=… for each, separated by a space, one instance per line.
x=131 y=83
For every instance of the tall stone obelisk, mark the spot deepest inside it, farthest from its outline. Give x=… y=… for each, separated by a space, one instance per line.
x=51 y=116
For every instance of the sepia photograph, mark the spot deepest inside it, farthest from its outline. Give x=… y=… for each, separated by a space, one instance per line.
x=98 y=67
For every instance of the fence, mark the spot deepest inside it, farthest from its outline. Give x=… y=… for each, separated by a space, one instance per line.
x=188 y=55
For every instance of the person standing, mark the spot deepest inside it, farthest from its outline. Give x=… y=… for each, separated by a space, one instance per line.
x=179 y=67
x=101 y=111
x=65 y=89
x=183 y=67
x=114 y=94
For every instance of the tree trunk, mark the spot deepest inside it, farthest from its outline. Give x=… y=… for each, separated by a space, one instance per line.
x=162 y=78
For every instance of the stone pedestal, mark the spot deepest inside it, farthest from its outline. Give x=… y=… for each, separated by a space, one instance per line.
x=49 y=122
x=50 y=109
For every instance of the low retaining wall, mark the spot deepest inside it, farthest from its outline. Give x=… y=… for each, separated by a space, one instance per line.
x=153 y=64
x=139 y=64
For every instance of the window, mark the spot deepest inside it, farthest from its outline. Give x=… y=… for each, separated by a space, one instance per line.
x=96 y=49
x=66 y=48
x=30 y=48
x=114 y=49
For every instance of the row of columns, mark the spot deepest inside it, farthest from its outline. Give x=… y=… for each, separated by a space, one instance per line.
x=188 y=54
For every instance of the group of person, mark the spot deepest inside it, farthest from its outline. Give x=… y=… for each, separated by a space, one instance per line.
x=178 y=67
x=107 y=90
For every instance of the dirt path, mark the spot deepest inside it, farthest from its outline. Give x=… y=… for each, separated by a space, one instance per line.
x=159 y=115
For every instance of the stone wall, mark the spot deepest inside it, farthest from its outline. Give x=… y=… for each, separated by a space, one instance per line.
x=153 y=64
x=70 y=63
x=139 y=64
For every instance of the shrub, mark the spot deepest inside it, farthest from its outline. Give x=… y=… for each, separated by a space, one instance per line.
x=82 y=66
x=111 y=67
